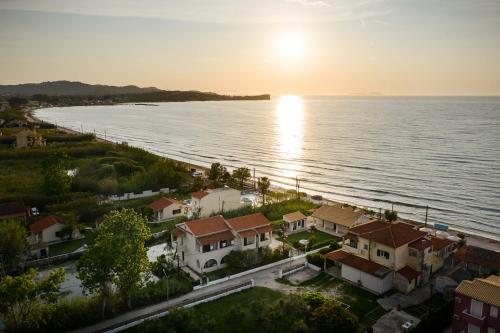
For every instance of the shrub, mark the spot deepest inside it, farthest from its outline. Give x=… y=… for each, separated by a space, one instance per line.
x=315 y=259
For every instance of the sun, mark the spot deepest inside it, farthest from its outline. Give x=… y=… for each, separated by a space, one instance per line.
x=291 y=46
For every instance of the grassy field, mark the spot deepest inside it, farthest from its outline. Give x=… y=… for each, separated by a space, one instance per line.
x=70 y=246
x=243 y=300
x=361 y=302
x=319 y=235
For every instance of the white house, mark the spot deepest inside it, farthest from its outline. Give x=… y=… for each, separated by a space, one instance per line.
x=167 y=209
x=337 y=220
x=206 y=203
x=294 y=222
x=48 y=230
x=204 y=244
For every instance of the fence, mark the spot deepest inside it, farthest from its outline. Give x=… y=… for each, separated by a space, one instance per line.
x=188 y=303
x=144 y=194
x=53 y=260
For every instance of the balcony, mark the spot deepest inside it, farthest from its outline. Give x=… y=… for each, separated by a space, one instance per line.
x=473 y=319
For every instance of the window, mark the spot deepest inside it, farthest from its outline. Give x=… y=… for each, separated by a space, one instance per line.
x=473 y=328
x=248 y=240
x=262 y=236
x=458 y=300
x=206 y=248
x=491 y=330
x=493 y=311
x=382 y=253
x=176 y=211
x=353 y=243
x=456 y=317
x=210 y=263
x=476 y=308
x=413 y=253
x=225 y=243
x=365 y=246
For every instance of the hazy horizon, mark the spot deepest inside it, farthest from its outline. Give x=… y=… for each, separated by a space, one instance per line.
x=305 y=47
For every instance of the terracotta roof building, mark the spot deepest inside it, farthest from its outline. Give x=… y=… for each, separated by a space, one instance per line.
x=477 y=259
x=337 y=220
x=167 y=209
x=204 y=244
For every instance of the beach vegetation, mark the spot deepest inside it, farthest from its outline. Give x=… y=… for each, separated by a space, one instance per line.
x=390 y=215
x=263 y=185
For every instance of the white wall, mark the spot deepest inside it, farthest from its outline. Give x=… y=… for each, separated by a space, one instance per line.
x=49 y=234
x=167 y=212
x=368 y=281
x=218 y=200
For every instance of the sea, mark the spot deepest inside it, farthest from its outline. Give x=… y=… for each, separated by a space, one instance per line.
x=401 y=153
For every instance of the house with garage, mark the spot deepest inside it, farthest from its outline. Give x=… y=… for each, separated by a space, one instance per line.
x=165 y=209
x=380 y=256
x=204 y=244
x=294 y=222
x=209 y=202
x=336 y=220
x=50 y=229
x=476 y=306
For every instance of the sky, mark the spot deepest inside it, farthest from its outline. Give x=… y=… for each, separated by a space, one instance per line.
x=307 y=47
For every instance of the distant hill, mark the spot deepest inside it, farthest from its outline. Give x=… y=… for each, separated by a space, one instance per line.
x=69 y=88
x=75 y=93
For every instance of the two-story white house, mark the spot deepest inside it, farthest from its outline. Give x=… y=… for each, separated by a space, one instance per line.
x=203 y=245
x=208 y=202
x=336 y=220
x=382 y=255
x=167 y=209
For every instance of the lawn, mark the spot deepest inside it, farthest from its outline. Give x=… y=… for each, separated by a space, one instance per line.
x=70 y=246
x=321 y=238
x=157 y=227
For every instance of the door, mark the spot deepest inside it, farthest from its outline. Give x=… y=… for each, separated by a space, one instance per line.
x=476 y=308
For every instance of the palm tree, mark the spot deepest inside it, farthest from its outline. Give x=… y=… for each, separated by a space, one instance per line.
x=263 y=185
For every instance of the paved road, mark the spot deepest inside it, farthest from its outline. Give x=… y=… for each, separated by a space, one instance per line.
x=260 y=278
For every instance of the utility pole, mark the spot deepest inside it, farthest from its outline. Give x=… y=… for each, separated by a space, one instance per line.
x=426 y=213
x=380 y=214
x=254 y=178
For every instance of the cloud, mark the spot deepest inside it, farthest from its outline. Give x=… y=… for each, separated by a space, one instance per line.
x=213 y=11
x=312 y=3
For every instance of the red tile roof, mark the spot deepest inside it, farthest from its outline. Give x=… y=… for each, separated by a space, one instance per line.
x=44 y=223
x=13 y=209
x=420 y=244
x=390 y=234
x=409 y=273
x=161 y=203
x=207 y=226
x=479 y=256
x=251 y=221
x=359 y=263
x=439 y=243
x=199 y=194
x=215 y=238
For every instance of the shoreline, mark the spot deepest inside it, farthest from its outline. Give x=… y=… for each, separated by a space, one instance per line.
x=475 y=239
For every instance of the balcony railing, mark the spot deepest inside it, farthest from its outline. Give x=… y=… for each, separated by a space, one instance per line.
x=468 y=314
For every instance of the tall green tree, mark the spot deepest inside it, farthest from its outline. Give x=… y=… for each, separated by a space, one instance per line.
x=390 y=215
x=263 y=184
x=117 y=256
x=332 y=317
x=12 y=244
x=218 y=174
x=27 y=301
x=55 y=177
x=241 y=176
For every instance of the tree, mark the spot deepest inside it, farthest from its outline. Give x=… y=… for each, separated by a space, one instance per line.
x=118 y=255
x=198 y=184
x=390 y=215
x=217 y=173
x=12 y=243
x=263 y=185
x=241 y=176
x=56 y=180
x=27 y=301
x=332 y=317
